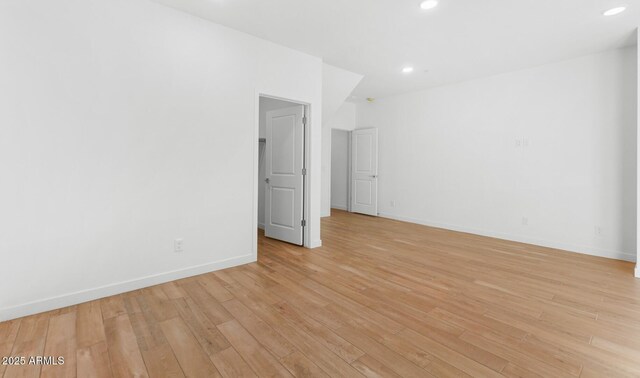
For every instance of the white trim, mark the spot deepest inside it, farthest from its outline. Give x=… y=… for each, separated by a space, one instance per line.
x=618 y=255
x=339 y=207
x=307 y=157
x=315 y=244
x=82 y=296
x=256 y=177
x=637 y=271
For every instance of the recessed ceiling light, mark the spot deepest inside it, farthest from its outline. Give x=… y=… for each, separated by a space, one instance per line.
x=407 y=70
x=429 y=4
x=614 y=11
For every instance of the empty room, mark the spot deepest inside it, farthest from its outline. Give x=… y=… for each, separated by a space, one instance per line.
x=319 y=188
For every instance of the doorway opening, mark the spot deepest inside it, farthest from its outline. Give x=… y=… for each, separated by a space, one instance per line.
x=282 y=203
x=354 y=171
x=340 y=165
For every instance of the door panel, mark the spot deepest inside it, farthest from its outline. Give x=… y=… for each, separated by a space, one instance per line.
x=363 y=192
x=284 y=155
x=283 y=214
x=363 y=153
x=364 y=175
x=283 y=144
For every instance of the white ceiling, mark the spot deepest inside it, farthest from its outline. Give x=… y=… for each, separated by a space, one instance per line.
x=458 y=40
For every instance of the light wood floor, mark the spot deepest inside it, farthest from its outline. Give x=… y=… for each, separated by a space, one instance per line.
x=380 y=298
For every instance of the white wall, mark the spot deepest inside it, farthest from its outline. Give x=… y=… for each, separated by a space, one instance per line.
x=339 y=168
x=124 y=125
x=344 y=118
x=554 y=144
x=266 y=105
x=337 y=85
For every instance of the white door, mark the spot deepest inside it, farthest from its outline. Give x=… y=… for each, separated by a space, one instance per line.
x=364 y=171
x=284 y=178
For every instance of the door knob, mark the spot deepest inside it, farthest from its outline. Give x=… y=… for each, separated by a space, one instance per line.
x=266 y=180
x=374 y=176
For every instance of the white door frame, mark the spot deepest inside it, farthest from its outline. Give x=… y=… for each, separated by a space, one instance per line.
x=306 y=234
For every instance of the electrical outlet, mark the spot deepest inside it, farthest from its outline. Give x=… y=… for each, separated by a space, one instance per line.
x=392 y=203
x=597 y=230
x=178 y=246
x=525 y=221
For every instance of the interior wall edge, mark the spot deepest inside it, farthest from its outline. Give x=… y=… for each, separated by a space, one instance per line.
x=637 y=269
x=65 y=300
x=315 y=244
x=585 y=250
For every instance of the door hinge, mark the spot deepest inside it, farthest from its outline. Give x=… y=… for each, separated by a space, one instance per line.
x=304 y=120
x=304 y=223
x=304 y=171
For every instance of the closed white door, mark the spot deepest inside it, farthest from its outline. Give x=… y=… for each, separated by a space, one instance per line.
x=284 y=174
x=364 y=171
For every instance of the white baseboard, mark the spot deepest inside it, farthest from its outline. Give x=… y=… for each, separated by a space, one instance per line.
x=339 y=207
x=618 y=255
x=637 y=271
x=82 y=296
x=315 y=244
x=261 y=226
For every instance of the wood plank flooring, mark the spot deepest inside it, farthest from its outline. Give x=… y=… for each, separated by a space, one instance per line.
x=380 y=298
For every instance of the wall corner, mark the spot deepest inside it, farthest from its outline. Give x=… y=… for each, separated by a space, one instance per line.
x=637 y=268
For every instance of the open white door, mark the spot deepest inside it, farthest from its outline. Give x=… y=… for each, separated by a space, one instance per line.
x=284 y=175
x=364 y=171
